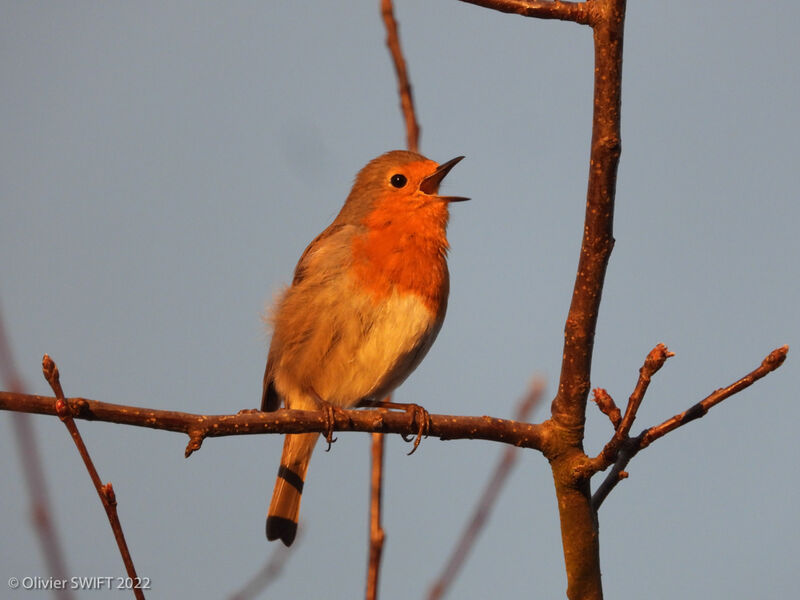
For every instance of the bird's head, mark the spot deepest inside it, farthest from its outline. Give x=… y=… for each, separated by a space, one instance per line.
x=399 y=182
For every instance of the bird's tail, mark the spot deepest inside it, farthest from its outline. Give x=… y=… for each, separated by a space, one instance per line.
x=285 y=506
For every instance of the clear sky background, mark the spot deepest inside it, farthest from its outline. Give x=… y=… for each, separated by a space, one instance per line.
x=163 y=165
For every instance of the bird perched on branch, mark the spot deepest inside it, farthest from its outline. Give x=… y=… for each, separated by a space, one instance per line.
x=368 y=298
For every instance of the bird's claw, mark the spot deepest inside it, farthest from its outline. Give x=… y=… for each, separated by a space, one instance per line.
x=423 y=418
x=418 y=414
x=330 y=421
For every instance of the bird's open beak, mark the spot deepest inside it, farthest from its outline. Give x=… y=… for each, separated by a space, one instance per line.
x=430 y=185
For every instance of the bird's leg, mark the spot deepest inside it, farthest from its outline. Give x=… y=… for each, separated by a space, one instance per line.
x=418 y=415
x=329 y=411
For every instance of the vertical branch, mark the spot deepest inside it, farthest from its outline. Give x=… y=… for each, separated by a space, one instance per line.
x=106 y=492
x=569 y=406
x=579 y=525
x=376 y=533
x=403 y=83
x=32 y=471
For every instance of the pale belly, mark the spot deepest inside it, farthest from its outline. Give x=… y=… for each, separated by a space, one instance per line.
x=402 y=332
x=359 y=349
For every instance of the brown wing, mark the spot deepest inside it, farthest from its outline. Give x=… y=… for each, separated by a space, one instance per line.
x=302 y=264
x=270 y=399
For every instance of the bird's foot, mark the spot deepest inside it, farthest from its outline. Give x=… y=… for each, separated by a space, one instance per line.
x=418 y=415
x=329 y=411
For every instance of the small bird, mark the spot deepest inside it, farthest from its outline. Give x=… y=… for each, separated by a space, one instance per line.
x=368 y=298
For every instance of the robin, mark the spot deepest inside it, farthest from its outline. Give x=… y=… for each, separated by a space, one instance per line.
x=368 y=298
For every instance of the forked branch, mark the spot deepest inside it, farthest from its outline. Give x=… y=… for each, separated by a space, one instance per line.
x=631 y=446
x=654 y=361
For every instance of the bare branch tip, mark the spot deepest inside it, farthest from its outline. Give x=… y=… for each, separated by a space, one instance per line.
x=662 y=348
x=51 y=374
x=50 y=370
x=657 y=357
x=775 y=358
x=607 y=406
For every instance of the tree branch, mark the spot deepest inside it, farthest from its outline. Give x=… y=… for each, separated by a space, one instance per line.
x=579 y=526
x=376 y=533
x=106 y=492
x=403 y=83
x=770 y=363
x=33 y=473
x=569 y=406
x=607 y=406
x=654 y=361
x=577 y=12
x=632 y=446
x=198 y=427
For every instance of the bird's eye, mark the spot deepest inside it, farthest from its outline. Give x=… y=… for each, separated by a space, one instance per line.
x=399 y=180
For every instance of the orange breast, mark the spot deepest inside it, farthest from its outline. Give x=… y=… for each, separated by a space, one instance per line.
x=405 y=249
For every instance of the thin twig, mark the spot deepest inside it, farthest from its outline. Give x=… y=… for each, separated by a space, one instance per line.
x=654 y=361
x=579 y=526
x=770 y=363
x=632 y=447
x=376 y=533
x=488 y=498
x=271 y=570
x=403 y=82
x=607 y=406
x=652 y=364
x=41 y=513
x=106 y=492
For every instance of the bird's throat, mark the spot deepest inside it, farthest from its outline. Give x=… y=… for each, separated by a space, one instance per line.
x=405 y=251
